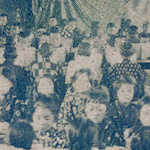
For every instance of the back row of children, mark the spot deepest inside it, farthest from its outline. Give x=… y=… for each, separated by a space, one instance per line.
x=103 y=107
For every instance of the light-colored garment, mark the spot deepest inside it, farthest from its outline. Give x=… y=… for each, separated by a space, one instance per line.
x=93 y=62
x=58 y=55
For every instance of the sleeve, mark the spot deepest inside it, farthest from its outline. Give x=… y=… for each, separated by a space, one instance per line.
x=65 y=111
x=60 y=140
x=114 y=137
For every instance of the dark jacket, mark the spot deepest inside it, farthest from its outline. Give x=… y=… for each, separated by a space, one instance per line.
x=97 y=135
x=142 y=142
x=124 y=117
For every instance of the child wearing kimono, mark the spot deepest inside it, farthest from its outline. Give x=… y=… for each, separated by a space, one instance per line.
x=97 y=131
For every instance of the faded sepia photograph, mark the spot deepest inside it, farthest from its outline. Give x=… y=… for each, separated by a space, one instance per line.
x=74 y=74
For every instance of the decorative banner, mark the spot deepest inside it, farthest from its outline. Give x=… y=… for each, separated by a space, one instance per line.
x=85 y=11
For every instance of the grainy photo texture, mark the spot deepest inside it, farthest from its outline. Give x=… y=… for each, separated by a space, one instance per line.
x=74 y=74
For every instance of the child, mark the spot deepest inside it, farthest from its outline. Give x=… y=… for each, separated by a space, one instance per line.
x=45 y=86
x=73 y=104
x=44 y=126
x=21 y=135
x=59 y=52
x=142 y=130
x=97 y=131
x=124 y=108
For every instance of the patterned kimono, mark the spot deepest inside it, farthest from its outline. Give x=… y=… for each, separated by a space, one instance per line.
x=72 y=108
x=52 y=138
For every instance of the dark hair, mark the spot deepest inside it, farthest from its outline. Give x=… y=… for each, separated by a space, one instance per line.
x=146 y=100
x=84 y=49
x=99 y=94
x=21 y=135
x=72 y=20
x=54 y=30
x=45 y=50
x=133 y=29
x=10 y=52
x=79 y=72
x=4 y=15
x=110 y=25
x=126 y=49
x=51 y=103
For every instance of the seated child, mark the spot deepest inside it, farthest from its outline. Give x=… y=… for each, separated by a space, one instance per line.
x=21 y=135
x=97 y=131
x=73 y=105
x=124 y=113
x=142 y=130
x=44 y=126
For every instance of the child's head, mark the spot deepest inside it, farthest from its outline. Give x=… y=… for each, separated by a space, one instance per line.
x=45 y=50
x=111 y=28
x=55 y=37
x=44 y=115
x=145 y=112
x=126 y=49
x=81 y=81
x=96 y=106
x=73 y=23
x=21 y=135
x=45 y=86
x=53 y=21
x=3 y=19
x=125 y=90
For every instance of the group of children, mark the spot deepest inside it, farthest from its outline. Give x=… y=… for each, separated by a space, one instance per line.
x=85 y=93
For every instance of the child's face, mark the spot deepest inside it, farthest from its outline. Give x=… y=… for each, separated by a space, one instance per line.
x=82 y=84
x=145 y=115
x=53 y=22
x=3 y=20
x=4 y=132
x=2 y=59
x=95 y=112
x=125 y=93
x=45 y=86
x=55 y=39
x=42 y=119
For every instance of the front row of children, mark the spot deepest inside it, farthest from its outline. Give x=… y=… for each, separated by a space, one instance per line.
x=121 y=124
